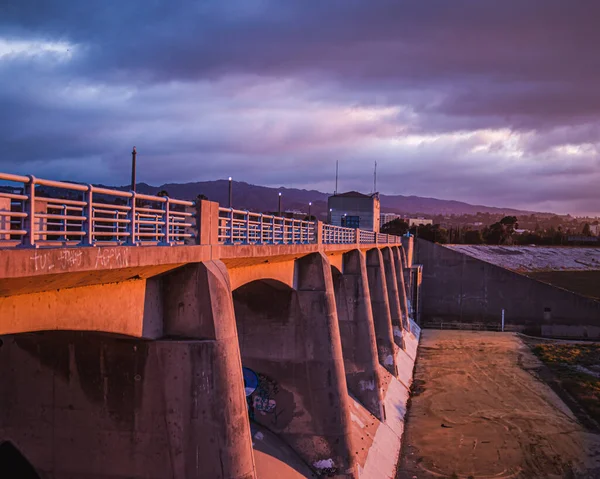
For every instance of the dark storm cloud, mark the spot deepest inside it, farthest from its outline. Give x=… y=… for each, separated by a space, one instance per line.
x=273 y=90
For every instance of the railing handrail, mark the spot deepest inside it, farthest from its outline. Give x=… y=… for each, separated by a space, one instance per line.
x=29 y=219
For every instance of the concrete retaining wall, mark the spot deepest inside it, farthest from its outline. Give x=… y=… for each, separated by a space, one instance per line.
x=458 y=287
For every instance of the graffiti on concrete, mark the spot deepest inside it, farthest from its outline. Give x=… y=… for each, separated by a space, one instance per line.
x=62 y=260
x=260 y=393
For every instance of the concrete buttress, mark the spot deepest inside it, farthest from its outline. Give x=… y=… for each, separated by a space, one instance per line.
x=380 y=305
x=198 y=305
x=357 y=332
x=393 y=294
x=396 y=252
x=80 y=405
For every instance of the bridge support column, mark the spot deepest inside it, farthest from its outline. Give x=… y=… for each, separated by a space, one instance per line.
x=290 y=340
x=386 y=349
x=357 y=331
x=407 y=251
x=198 y=305
x=80 y=405
x=396 y=252
x=393 y=294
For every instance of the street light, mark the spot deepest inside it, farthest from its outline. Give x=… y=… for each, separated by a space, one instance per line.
x=279 y=207
x=230 y=193
x=309 y=205
x=133 y=169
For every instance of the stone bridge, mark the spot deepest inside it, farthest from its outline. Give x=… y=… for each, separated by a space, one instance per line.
x=138 y=337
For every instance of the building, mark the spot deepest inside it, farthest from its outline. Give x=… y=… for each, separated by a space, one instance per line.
x=387 y=217
x=355 y=210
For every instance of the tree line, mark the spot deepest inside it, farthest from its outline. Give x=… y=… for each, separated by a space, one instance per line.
x=502 y=232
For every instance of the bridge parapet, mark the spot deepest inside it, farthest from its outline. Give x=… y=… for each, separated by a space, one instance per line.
x=36 y=212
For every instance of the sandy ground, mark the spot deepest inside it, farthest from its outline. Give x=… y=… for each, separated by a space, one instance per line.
x=478 y=410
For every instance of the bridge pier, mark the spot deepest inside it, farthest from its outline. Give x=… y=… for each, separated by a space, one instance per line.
x=290 y=339
x=393 y=295
x=81 y=405
x=357 y=332
x=396 y=252
x=386 y=348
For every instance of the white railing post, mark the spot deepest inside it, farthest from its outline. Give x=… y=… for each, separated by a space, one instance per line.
x=88 y=239
x=132 y=219
x=29 y=239
x=231 y=233
x=247 y=218
x=166 y=239
x=261 y=239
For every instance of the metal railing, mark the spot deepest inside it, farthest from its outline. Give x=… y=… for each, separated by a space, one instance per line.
x=338 y=235
x=245 y=227
x=36 y=212
x=39 y=212
x=367 y=237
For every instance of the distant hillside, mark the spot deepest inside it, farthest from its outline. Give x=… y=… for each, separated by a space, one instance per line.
x=418 y=204
x=262 y=198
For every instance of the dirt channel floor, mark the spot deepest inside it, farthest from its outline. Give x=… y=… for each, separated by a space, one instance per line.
x=480 y=411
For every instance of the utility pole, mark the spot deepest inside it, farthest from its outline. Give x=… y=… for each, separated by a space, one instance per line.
x=133 y=169
x=337 y=164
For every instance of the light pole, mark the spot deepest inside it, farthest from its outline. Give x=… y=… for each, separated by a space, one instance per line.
x=309 y=205
x=279 y=207
x=133 y=169
x=230 y=193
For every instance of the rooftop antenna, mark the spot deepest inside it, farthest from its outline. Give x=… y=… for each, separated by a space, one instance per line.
x=375 y=179
x=337 y=164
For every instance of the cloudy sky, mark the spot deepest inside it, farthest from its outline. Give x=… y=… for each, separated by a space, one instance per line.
x=490 y=102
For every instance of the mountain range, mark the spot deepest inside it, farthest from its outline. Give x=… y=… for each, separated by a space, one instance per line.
x=262 y=198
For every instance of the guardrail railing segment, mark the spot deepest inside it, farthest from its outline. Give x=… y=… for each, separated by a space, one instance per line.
x=35 y=212
x=245 y=227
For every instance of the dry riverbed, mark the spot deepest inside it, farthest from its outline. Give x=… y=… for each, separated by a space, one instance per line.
x=479 y=410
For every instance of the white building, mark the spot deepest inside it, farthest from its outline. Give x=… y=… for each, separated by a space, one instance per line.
x=387 y=217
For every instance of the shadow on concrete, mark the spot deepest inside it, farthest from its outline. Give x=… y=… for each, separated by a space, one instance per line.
x=275 y=459
x=13 y=464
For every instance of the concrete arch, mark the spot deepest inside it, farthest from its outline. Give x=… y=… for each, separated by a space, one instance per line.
x=280 y=271
x=290 y=339
x=130 y=308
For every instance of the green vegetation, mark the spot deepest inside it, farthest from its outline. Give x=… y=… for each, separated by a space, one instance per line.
x=569 y=362
x=505 y=231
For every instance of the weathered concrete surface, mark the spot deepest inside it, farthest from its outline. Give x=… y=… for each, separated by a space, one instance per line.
x=408 y=246
x=386 y=348
x=81 y=405
x=357 y=332
x=535 y=258
x=290 y=338
x=393 y=295
x=459 y=287
x=402 y=289
x=274 y=459
x=479 y=410
x=382 y=440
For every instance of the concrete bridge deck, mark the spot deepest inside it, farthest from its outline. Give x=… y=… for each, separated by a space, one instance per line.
x=122 y=349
